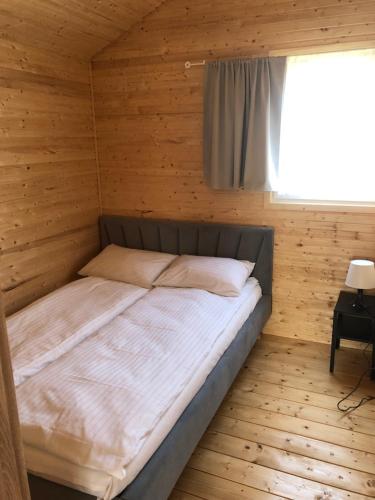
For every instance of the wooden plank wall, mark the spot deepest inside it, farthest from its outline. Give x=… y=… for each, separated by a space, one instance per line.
x=78 y=28
x=149 y=127
x=13 y=484
x=48 y=180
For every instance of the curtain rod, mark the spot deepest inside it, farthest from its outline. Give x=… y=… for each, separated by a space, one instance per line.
x=189 y=64
x=320 y=49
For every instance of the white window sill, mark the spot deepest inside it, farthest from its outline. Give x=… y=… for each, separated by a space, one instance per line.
x=271 y=201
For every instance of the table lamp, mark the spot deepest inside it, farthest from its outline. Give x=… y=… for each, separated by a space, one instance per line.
x=361 y=275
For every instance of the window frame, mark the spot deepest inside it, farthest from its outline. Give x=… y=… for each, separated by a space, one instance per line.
x=271 y=199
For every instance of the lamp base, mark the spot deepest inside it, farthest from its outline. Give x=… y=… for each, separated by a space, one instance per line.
x=359 y=304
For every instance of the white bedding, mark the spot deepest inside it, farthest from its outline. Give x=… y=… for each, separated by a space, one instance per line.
x=51 y=326
x=145 y=365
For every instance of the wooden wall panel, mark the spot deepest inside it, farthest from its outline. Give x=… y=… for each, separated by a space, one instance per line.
x=78 y=28
x=13 y=484
x=149 y=128
x=48 y=177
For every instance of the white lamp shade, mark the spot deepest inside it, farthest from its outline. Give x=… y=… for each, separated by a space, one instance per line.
x=361 y=274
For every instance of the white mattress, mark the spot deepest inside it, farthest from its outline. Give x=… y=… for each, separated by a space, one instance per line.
x=96 y=479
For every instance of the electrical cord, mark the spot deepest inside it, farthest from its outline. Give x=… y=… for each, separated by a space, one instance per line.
x=365 y=399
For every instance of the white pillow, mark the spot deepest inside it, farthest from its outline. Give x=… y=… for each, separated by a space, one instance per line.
x=215 y=274
x=137 y=267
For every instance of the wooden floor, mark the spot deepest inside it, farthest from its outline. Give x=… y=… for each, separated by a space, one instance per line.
x=278 y=434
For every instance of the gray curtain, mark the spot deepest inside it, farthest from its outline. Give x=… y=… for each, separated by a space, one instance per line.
x=242 y=116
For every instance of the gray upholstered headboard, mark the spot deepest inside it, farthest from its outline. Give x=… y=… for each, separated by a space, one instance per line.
x=194 y=238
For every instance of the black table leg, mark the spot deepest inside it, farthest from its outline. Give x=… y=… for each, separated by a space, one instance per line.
x=335 y=339
x=372 y=374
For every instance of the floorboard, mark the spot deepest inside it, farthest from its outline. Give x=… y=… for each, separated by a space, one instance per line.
x=278 y=434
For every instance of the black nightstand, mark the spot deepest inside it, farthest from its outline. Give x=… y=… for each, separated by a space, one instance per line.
x=353 y=325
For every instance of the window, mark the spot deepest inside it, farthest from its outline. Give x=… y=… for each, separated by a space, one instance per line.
x=327 y=149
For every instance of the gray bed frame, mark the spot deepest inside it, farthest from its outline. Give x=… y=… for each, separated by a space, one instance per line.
x=159 y=475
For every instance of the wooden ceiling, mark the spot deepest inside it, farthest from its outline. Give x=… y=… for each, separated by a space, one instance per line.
x=78 y=28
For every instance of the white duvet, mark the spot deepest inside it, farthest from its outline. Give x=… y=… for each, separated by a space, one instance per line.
x=96 y=405
x=51 y=326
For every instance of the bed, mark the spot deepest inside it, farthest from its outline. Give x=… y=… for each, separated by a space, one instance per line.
x=158 y=476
